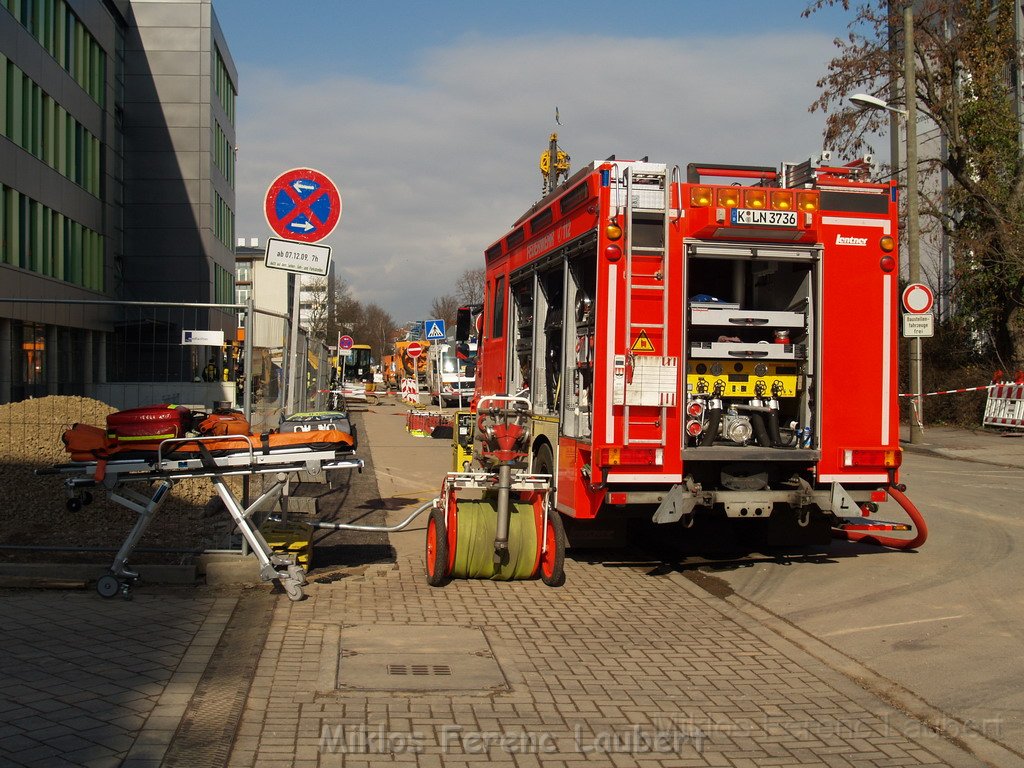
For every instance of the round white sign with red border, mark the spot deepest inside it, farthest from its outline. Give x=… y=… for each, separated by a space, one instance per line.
x=918 y=299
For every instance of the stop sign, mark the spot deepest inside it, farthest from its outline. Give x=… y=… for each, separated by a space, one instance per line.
x=414 y=350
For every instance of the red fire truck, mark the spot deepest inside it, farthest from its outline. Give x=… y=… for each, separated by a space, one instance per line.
x=718 y=342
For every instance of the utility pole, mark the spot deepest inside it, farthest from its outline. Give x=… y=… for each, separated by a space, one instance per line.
x=913 y=232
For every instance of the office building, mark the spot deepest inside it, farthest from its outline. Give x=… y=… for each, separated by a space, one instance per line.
x=117 y=174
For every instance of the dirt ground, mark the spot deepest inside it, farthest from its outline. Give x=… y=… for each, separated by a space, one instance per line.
x=33 y=507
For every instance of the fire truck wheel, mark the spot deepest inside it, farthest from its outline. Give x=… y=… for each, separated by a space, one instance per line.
x=552 y=560
x=437 y=549
x=544 y=462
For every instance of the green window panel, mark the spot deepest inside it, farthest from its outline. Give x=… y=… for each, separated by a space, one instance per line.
x=58 y=245
x=15 y=103
x=25 y=138
x=47 y=242
x=59 y=149
x=23 y=231
x=35 y=243
x=13 y=227
x=3 y=94
x=37 y=121
x=60 y=34
x=3 y=224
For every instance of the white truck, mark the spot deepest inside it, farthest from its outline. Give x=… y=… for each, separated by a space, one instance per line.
x=451 y=372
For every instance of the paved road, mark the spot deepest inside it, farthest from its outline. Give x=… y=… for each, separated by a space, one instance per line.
x=944 y=623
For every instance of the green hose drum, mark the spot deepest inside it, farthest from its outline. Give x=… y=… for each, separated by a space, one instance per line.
x=477 y=522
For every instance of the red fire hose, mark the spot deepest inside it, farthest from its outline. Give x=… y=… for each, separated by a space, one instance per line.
x=888 y=541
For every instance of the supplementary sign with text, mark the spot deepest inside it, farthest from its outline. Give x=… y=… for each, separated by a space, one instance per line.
x=298 y=257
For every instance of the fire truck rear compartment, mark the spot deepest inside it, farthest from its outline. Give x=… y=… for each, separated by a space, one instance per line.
x=751 y=348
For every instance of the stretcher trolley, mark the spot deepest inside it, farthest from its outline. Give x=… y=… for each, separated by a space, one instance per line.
x=188 y=457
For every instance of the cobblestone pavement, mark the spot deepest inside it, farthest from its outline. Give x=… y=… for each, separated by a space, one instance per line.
x=617 y=668
x=94 y=682
x=620 y=667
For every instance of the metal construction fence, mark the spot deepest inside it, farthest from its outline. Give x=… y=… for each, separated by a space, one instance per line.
x=129 y=354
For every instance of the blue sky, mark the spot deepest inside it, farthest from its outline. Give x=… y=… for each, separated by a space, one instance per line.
x=430 y=117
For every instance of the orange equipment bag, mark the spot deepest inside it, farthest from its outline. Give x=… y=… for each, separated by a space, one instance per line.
x=223 y=423
x=87 y=443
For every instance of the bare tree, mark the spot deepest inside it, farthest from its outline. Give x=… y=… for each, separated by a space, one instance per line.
x=445 y=308
x=469 y=288
x=345 y=309
x=314 y=293
x=376 y=327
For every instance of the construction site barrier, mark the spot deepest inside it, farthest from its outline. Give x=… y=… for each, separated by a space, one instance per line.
x=420 y=423
x=1003 y=408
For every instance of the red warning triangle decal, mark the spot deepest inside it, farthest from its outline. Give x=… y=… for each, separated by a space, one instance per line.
x=642 y=343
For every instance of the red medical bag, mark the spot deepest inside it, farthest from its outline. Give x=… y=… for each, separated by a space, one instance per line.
x=148 y=423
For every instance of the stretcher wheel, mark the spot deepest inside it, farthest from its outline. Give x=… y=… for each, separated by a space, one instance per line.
x=437 y=549
x=291 y=588
x=552 y=560
x=73 y=505
x=298 y=575
x=108 y=585
x=474 y=541
x=86 y=498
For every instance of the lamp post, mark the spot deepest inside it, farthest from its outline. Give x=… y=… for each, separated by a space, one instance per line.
x=913 y=232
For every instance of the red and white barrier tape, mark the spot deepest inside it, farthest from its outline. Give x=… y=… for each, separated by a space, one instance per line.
x=951 y=391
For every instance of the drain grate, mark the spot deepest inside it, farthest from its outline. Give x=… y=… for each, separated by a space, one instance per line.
x=419 y=669
x=207 y=730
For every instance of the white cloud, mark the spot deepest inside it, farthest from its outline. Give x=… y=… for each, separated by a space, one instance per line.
x=435 y=169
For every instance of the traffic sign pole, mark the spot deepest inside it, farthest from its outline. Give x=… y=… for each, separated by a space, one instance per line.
x=303 y=205
x=917 y=300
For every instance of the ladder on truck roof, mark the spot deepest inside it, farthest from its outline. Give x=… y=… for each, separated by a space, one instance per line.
x=648 y=195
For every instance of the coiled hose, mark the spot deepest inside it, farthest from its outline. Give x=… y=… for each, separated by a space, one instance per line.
x=868 y=537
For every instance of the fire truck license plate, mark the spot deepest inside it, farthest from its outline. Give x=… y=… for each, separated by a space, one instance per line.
x=762 y=218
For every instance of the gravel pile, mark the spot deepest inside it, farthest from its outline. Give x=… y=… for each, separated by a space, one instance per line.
x=32 y=508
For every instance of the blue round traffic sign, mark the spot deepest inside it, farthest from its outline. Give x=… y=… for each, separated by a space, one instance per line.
x=345 y=342
x=302 y=204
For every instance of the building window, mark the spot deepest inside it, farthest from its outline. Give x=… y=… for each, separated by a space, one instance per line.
x=30 y=358
x=223 y=286
x=41 y=240
x=223 y=220
x=223 y=87
x=223 y=154
x=65 y=38
x=34 y=121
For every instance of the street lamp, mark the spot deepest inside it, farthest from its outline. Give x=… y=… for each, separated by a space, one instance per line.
x=913 y=242
x=873 y=102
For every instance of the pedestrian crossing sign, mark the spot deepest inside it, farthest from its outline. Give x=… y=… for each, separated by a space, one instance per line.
x=435 y=330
